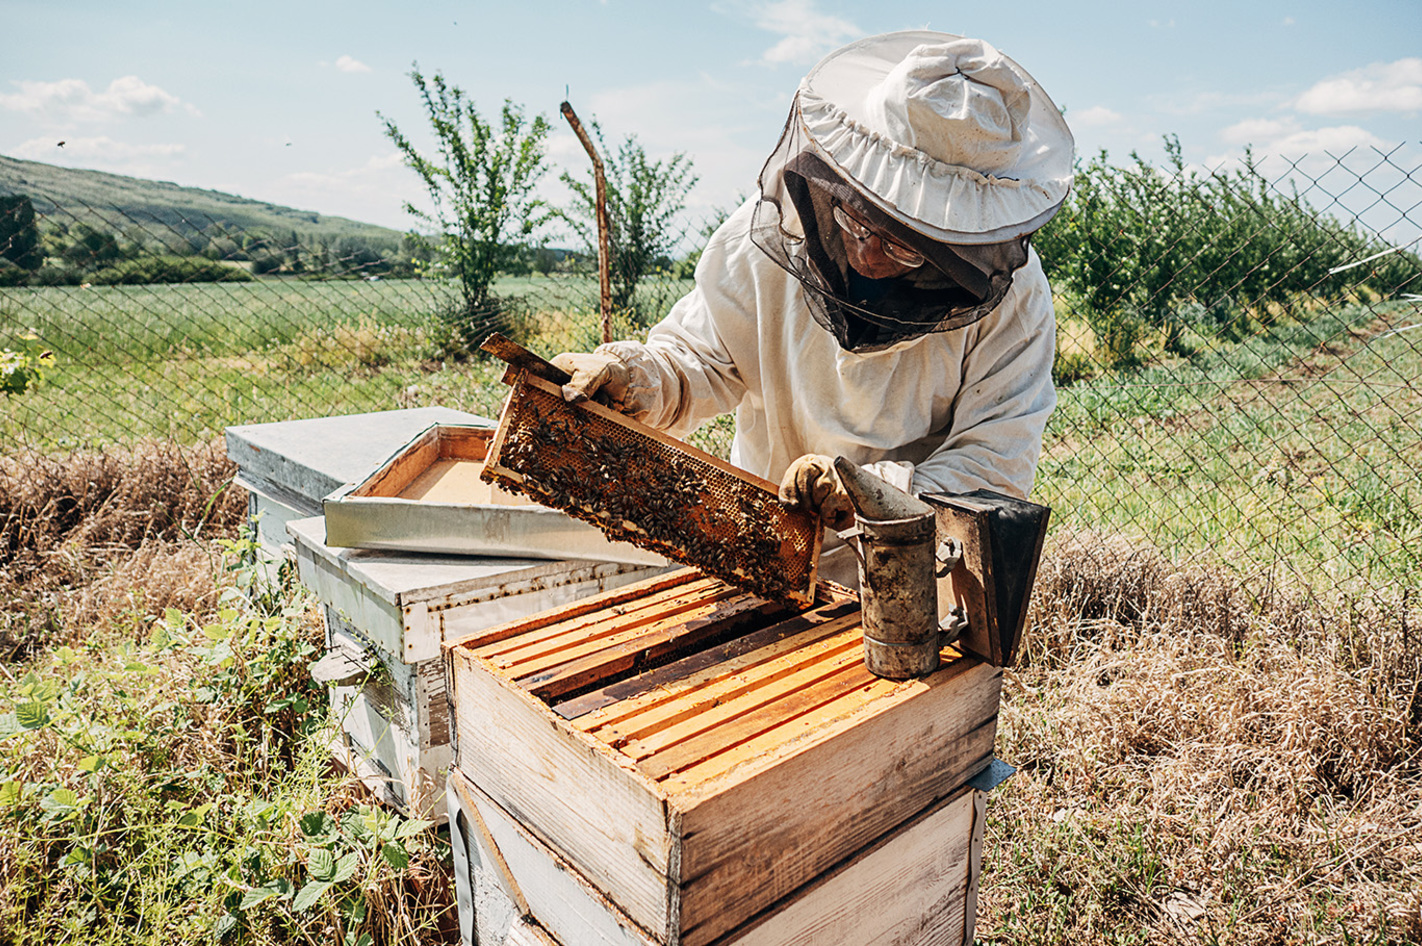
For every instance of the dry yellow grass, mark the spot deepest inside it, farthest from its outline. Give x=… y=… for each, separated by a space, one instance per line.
x=1202 y=761
x=89 y=535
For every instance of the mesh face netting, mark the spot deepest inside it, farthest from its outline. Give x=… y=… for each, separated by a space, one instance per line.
x=794 y=225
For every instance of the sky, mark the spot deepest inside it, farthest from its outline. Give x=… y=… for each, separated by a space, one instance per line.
x=279 y=101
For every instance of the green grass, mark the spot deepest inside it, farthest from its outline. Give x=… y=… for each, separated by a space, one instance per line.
x=181 y=362
x=1298 y=447
x=1294 y=445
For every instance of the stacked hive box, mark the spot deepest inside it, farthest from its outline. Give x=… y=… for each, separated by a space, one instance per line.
x=680 y=762
x=386 y=613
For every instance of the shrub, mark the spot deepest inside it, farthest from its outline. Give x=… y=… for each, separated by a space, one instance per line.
x=168 y=269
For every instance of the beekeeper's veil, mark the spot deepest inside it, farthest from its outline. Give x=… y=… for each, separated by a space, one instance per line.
x=943 y=145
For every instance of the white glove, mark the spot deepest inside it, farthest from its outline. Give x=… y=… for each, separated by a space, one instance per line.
x=594 y=374
x=811 y=484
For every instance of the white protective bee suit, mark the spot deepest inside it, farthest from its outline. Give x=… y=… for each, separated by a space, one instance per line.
x=941 y=382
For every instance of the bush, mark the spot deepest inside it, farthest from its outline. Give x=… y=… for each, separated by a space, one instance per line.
x=168 y=269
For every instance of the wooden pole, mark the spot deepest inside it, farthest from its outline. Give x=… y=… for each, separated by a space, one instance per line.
x=604 y=228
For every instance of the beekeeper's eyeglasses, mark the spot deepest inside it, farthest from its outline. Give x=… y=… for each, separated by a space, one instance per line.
x=895 y=251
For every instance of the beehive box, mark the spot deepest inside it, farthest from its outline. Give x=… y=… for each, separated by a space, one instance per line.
x=699 y=754
x=388 y=613
x=288 y=467
x=915 y=886
x=428 y=497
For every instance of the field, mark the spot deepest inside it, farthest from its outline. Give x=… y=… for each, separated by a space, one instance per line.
x=1217 y=720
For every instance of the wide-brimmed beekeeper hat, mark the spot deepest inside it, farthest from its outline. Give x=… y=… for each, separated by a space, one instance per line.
x=945 y=134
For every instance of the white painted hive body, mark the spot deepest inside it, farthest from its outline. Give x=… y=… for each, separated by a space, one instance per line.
x=388 y=612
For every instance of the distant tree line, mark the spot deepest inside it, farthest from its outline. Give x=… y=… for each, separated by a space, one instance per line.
x=50 y=250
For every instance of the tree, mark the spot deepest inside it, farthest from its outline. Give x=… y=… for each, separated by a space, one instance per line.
x=91 y=248
x=481 y=184
x=19 y=234
x=643 y=200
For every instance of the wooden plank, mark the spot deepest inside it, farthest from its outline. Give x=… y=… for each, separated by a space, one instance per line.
x=494 y=854
x=450 y=481
x=579 y=796
x=401 y=469
x=654 y=686
x=778 y=706
x=816 y=714
x=775 y=822
x=651 y=646
x=547 y=646
x=905 y=889
x=654 y=711
x=975 y=866
x=598 y=602
x=465 y=443
x=562 y=901
x=721 y=722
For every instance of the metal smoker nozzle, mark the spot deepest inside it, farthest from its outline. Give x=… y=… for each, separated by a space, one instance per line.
x=897 y=586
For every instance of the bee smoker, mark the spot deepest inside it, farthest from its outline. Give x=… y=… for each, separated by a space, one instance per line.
x=940 y=570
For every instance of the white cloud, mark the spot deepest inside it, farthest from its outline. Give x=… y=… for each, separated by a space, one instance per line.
x=806 y=31
x=1286 y=139
x=351 y=64
x=71 y=100
x=102 y=153
x=1380 y=87
x=1257 y=130
x=1097 y=116
x=372 y=191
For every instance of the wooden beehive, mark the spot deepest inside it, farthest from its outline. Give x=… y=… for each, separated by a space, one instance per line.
x=699 y=753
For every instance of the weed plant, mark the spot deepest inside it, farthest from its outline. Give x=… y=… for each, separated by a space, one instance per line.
x=167 y=780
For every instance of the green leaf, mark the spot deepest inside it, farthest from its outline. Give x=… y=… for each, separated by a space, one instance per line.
x=309 y=894
x=191 y=819
x=345 y=867
x=257 y=895
x=276 y=889
x=92 y=763
x=77 y=856
x=225 y=924
x=60 y=801
x=321 y=864
x=413 y=827
x=395 y=855
x=12 y=792
x=32 y=714
x=217 y=632
x=318 y=824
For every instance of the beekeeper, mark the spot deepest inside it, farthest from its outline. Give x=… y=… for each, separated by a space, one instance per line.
x=879 y=299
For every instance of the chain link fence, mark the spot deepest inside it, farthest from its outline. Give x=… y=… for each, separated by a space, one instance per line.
x=1238 y=351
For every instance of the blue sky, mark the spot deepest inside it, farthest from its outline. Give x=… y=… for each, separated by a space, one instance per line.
x=278 y=101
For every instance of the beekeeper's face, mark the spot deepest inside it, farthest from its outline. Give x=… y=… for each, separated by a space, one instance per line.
x=870 y=254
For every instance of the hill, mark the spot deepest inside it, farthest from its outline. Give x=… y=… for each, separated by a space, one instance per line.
x=113 y=202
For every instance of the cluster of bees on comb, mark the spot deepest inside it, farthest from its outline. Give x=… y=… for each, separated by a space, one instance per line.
x=643 y=492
